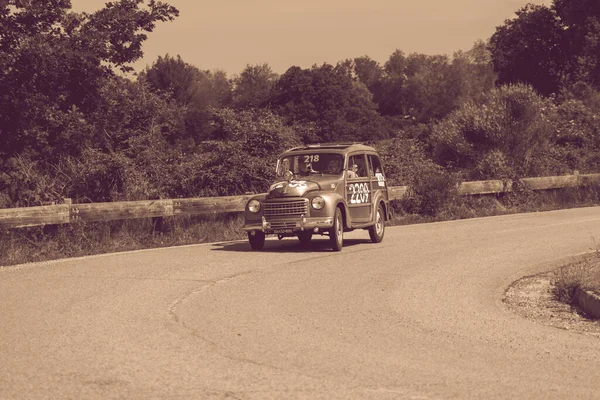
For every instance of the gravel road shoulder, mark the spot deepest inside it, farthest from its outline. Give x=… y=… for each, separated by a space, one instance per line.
x=531 y=297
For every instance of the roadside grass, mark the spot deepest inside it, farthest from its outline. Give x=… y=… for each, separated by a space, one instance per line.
x=18 y=246
x=583 y=274
x=522 y=201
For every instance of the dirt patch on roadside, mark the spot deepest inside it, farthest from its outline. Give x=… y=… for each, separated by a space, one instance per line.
x=532 y=298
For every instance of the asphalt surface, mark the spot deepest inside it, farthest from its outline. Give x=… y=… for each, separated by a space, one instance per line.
x=418 y=316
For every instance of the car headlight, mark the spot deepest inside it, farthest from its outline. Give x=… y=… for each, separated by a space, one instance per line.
x=318 y=202
x=254 y=206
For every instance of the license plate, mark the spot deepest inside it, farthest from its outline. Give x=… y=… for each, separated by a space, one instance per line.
x=283 y=230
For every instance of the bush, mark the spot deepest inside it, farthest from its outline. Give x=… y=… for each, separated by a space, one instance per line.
x=508 y=134
x=576 y=142
x=403 y=160
x=431 y=192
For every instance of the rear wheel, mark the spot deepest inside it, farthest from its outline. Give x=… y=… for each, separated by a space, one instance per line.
x=336 y=233
x=376 y=231
x=305 y=238
x=256 y=239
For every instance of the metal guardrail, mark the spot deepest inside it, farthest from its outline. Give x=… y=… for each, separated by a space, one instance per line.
x=72 y=213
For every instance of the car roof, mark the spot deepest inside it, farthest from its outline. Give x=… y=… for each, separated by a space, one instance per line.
x=340 y=147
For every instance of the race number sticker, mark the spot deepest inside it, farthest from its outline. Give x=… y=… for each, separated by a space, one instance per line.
x=380 y=179
x=358 y=193
x=292 y=184
x=298 y=184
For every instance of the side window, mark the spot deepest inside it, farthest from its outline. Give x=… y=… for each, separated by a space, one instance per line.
x=377 y=169
x=357 y=167
x=375 y=165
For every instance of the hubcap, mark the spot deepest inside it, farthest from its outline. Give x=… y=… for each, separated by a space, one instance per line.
x=378 y=224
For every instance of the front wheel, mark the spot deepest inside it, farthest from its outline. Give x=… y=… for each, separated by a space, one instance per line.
x=376 y=231
x=336 y=233
x=257 y=240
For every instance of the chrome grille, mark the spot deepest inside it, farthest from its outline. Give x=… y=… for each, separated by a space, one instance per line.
x=282 y=225
x=287 y=209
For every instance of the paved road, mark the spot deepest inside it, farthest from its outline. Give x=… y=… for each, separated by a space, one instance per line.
x=418 y=316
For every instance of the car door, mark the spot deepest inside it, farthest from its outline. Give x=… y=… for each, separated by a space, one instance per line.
x=377 y=177
x=358 y=188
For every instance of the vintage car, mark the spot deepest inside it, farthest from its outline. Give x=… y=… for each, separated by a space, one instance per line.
x=322 y=189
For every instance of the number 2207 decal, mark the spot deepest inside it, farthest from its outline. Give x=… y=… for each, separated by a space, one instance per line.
x=358 y=192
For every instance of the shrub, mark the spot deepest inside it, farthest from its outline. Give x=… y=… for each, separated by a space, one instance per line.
x=508 y=133
x=430 y=192
x=576 y=141
x=403 y=159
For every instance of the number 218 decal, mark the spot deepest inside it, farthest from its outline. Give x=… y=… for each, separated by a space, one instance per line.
x=358 y=193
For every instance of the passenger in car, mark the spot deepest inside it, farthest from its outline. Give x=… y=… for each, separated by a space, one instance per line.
x=353 y=172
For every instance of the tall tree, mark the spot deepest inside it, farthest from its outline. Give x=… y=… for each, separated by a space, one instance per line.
x=391 y=101
x=581 y=19
x=54 y=63
x=530 y=49
x=475 y=72
x=369 y=73
x=197 y=90
x=253 y=86
x=174 y=76
x=341 y=107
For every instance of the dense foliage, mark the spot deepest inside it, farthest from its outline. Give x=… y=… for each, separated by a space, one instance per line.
x=74 y=121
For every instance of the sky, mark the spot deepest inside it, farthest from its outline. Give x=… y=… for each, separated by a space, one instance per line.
x=230 y=34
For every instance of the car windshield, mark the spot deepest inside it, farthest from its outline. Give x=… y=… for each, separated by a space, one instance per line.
x=313 y=163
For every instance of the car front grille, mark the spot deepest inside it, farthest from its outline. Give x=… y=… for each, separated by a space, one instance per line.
x=287 y=209
x=282 y=225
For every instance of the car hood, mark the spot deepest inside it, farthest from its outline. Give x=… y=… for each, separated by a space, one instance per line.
x=298 y=188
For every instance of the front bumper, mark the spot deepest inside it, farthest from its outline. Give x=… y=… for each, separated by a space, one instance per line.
x=282 y=226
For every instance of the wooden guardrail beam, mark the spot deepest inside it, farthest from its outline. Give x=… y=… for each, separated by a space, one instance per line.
x=69 y=213
x=34 y=216
x=207 y=205
x=551 y=182
x=484 y=187
x=121 y=210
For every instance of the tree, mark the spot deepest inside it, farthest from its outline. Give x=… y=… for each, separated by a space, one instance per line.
x=174 y=76
x=341 y=107
x=196 y=90
x=54 y=63
x=391 y=100
x=432 y=89
x=581 y=19
x=530 y=49
x=550 y=48
x=368 y=72
x=475 y=72
x=253 y=86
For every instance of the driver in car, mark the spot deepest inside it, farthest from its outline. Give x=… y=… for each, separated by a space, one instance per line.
x=304 y=168
x=334 y=167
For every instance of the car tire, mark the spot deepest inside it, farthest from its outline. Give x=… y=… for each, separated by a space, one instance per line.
x=305 y=238
x=377 y=231
x=257 y=241
x=336 y=233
